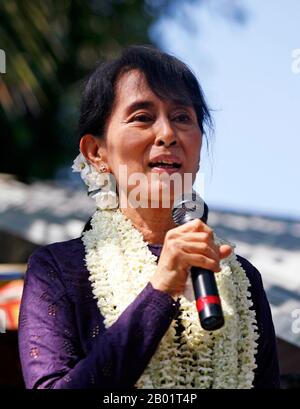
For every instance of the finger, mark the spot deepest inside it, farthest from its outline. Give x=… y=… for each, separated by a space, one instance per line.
x=198 y=237
x=200 y=248
x=202 y=261
x=225 y=250
x=195 y=225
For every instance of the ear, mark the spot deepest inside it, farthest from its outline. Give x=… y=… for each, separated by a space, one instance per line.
x=94 y=150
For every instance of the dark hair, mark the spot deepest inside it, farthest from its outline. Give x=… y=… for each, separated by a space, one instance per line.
x=168 y=77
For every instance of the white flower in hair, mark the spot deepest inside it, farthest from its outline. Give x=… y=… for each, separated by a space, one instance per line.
x=81 y=165
x=89 y=174
x=106 y=200
x=101 y=186
x=95 y=180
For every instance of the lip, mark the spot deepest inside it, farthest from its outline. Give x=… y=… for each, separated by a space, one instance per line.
x=171 y=158
x=165 y=170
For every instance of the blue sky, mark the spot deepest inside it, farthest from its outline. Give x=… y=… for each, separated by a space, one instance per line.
x=245 y=71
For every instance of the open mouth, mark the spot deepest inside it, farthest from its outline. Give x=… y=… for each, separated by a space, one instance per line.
x=165 y=164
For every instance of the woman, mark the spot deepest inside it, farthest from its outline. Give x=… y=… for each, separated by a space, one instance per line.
x=108 y=309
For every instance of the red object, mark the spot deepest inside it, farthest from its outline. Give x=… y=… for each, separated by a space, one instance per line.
x=208 y=299
x=10 y=298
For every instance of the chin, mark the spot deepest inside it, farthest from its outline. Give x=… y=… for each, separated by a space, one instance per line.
x=157 y=192
x=161 y=195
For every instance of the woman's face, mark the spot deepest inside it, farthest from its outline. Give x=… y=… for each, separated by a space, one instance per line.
x=141 y=128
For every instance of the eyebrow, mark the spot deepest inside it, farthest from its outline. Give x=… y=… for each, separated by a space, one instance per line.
x=143 y=104
x=147 y=104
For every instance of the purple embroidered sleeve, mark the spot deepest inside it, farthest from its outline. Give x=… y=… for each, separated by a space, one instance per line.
x=54 y=352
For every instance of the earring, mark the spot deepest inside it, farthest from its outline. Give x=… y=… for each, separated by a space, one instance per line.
x=103 y=168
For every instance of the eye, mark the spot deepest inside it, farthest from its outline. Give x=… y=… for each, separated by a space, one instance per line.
x=142 y=118
x=183 y=118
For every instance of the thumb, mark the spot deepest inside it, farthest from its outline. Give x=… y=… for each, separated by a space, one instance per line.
x=225 y=250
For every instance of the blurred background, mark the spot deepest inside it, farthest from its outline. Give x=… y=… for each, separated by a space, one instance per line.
x=246 y=55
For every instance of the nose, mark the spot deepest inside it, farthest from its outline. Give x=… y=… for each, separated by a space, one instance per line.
x=165 y=134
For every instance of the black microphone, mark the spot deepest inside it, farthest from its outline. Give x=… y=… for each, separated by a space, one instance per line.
x=188 y=207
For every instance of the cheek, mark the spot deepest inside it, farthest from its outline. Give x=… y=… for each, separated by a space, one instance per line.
x=193 y=149
x=127 y=156
x=136 y=142
x=130 y=145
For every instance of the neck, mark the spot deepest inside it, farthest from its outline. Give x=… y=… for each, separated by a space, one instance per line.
x=152 y=223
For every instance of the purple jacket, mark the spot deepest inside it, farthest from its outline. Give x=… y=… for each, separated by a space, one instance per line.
x=64 y=344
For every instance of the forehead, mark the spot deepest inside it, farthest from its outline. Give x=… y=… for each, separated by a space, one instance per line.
x=132 y=86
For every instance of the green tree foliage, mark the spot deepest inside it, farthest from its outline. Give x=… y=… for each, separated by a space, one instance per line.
x=50 y=46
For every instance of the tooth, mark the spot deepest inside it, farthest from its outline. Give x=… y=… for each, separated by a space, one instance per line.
x=166 y=162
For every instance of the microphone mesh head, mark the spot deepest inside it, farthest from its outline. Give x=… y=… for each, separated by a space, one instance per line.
x=188 y=207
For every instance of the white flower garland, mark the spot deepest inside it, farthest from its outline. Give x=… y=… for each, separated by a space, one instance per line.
x=121 y=265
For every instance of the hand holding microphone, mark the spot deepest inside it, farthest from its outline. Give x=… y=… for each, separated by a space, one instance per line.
x=191 y=244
